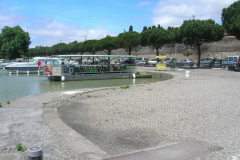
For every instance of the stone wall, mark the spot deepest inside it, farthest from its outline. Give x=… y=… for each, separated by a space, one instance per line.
x=226 y=47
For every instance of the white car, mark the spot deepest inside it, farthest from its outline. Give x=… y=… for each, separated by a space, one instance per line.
x=153 y=62
x=119 y=61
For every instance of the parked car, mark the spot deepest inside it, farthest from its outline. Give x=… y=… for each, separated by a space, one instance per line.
x=2 y=60
x=119 y=61
x=103 y=61
x=141 y=60
x=232 y=62
x=186 y=62
x=207 y=61
x=168 y=60
x=217 y=63
x=129 y=61
x=152 y=62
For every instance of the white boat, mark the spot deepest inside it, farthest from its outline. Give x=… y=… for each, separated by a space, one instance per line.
x=36 y=65
x=3 y=65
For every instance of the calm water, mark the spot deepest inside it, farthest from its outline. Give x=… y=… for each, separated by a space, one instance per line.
x=14 y=86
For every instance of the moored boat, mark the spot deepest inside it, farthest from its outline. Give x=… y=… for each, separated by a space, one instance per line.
x=92 y=71
x=36 y=65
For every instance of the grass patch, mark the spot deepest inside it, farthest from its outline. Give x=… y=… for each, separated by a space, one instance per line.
x=20 y=148
x=88 y=95
x=125 y=87
x=0 y=105
x=8 y=102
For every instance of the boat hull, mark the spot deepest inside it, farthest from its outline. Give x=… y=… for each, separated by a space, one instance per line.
x=23 y=70
x=90 y=76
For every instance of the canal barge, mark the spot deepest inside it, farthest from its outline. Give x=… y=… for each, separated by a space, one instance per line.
x=91 y=71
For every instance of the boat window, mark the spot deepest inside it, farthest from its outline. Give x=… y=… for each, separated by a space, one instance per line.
x=34 y=60
x=55 y=62
x=49 y=62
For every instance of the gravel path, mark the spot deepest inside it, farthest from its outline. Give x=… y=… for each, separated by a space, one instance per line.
x=202 y=107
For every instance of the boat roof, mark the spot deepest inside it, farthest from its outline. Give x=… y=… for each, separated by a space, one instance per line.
x=111 y=56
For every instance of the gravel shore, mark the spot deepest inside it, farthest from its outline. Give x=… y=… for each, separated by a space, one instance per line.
x=203 y=107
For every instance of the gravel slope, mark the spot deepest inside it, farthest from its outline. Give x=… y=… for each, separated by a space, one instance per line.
x=202 y=107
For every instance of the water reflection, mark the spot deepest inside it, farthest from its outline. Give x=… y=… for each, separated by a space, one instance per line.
x=13 y=86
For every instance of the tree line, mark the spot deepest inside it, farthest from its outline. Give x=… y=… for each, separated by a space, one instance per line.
x=14 y=42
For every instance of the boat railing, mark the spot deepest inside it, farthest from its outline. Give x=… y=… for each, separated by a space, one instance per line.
x=66 y=70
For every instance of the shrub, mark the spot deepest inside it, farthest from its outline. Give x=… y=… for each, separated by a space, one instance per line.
x=20 y=148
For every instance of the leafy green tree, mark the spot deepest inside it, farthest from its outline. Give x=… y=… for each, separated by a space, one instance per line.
x=175 y=36
x=73 y=47
x=1 y=55
x=131 y=28
x=129 y=41
x=91 y=46
x=80 y=49
x=231 y=19
x=39 y=51
x=144 y=28
x=60 y=48
x=14 y=42
x=155 y=38
x=31 y=52
x=108 y=44
x=197 y=32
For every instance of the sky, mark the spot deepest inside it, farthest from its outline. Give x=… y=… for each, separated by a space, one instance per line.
x=62 y=21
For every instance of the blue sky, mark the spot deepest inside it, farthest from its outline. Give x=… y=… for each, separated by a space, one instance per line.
x=51 y=21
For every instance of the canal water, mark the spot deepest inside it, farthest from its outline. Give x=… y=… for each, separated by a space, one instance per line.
x=14 y=86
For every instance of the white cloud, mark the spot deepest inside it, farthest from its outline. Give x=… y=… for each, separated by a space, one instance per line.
x=174 y=12
x=49 y=32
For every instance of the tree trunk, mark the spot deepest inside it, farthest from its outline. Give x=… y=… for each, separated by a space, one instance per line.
x=157 y=53
x=199 y=56
x=109 y=53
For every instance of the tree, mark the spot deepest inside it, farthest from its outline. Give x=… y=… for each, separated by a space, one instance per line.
x=60 y=48
x=131 y=28
x=144 y=28
x=80 y=49
x=231 y=19
x=175 y=37
x=108 y=44
x=129 y=41
x=91 y=46
x=155 y=38
x=73 y=47
x=14 y=42
x=196 y=32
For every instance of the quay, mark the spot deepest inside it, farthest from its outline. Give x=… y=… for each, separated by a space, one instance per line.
x=186 y=117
